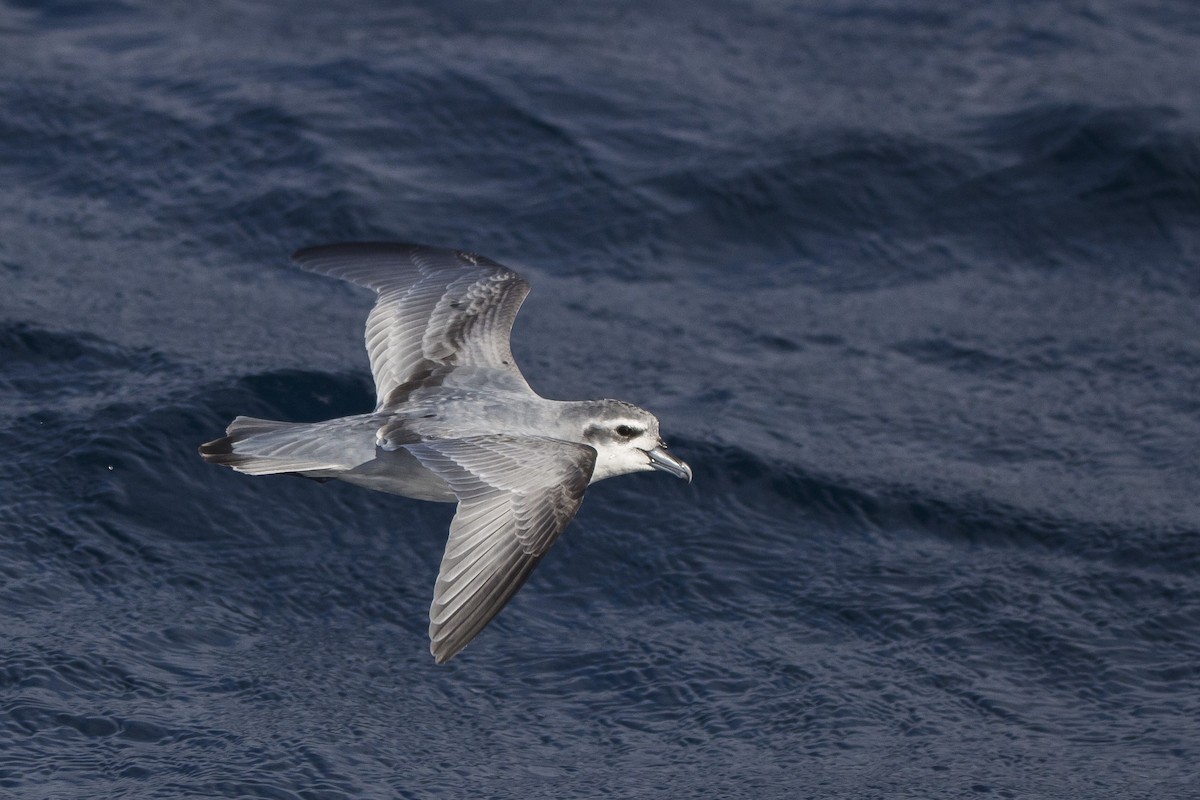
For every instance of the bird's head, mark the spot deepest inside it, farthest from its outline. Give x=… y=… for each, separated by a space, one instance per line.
x=626 y=439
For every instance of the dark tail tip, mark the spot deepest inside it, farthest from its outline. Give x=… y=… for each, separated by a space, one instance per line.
x=220 y=451
x=217 y=447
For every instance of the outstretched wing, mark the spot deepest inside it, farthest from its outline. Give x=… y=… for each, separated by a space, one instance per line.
x=437 y=310
x=515 y=496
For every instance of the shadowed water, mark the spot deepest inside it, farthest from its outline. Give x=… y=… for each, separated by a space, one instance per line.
x=912 y=287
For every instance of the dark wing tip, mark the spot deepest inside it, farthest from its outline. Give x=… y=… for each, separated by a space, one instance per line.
x=382 y=265
x=455 y=634
x=317 y=255
x=308 y=255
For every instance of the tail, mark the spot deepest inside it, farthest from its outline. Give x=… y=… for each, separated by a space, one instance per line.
x=266 y=447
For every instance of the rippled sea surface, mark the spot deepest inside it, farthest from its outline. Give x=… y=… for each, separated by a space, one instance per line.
x=913 y=286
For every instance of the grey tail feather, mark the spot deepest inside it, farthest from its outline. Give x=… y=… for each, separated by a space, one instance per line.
x=267 y=447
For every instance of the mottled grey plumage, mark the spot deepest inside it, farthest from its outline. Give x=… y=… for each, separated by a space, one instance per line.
x=455 y=421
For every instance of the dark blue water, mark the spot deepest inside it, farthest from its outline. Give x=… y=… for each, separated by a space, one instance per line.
x=914 y=287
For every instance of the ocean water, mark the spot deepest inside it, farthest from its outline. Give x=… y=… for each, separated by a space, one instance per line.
x=914 y=287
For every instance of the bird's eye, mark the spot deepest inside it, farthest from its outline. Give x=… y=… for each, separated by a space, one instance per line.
x=627 y=431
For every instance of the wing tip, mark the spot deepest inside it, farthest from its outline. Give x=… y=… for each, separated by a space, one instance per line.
x=322 y=257
x=368 y=247
x=317 y=252
x=442 y=650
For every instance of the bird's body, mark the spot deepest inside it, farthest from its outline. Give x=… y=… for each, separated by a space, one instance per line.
x=455 y=421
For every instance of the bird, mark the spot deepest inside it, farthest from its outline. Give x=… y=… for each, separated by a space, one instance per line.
x=455 y=421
